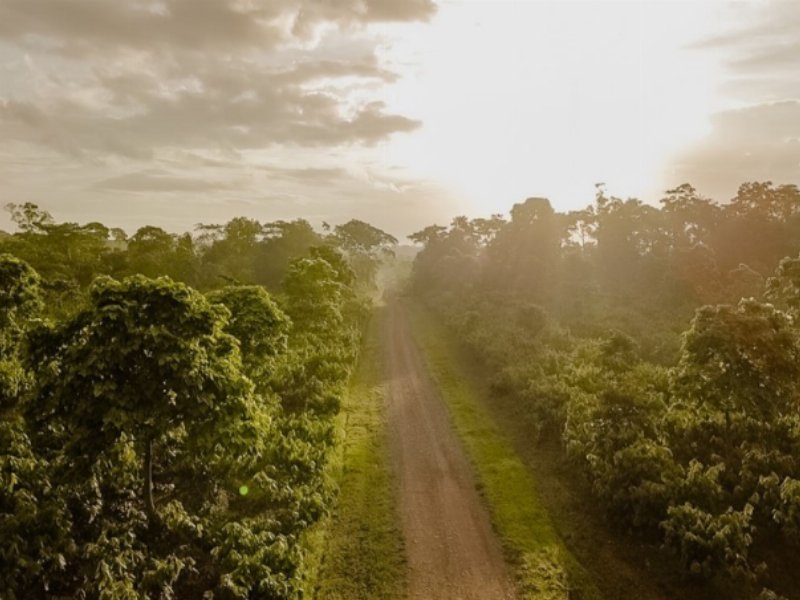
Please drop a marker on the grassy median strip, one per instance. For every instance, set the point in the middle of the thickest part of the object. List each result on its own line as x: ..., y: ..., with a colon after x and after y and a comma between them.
x: 545, y: 568
x: 363, y: 555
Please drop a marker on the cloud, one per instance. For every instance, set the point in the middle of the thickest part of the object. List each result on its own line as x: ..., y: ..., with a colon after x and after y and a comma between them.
x: 78, y: 26
x: 134, y: 78
x: 757, y: 143
x: 366, y: 68
x: 135, y: 113
x: 760, y: 140
x: 161, y: 181
x: 363, y: 11
x: 166, y: 111
x: 219, y: 112
x: 85, y: 25
x: 308, y: 175
x: 762, y: 48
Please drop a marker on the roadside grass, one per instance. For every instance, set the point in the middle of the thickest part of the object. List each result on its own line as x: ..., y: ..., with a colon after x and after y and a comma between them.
x: 362, y: 554
x: 545, y: 568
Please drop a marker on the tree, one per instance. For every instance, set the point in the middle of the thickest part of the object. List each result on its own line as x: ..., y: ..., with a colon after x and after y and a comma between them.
x: 708, y: 543
x: 627, y: 233
x: 784, y: 288
x: 767, y: 200
x: 366, y: 246
x: 20, y: 301
x: 525, y: 252
x: 29, y: 217
x: 33, y: 531
x: 232, y: 252
x: 759, y: 226
x: 314, y: 296
x: 360, y: 237
x: 742, y: 359
x: 284, y: 241
x: 68, y: 253
x: 448, y: 257
x: 20, y: 292
x: 258, y: 323
x: 689, y: 217
x: 145, y: 359
x: 344, y: 272
x: 154, y: 252
x: 581, y: 226
x: 428, y: 235
x: 736, y: 390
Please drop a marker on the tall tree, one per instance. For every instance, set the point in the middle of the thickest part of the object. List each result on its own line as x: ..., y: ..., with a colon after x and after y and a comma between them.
x: 260, y: 326
x: 525, y: 253
x: 365, y: 245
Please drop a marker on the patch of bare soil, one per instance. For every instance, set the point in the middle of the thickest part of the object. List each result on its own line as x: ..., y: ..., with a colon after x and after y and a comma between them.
x: 453, y: 552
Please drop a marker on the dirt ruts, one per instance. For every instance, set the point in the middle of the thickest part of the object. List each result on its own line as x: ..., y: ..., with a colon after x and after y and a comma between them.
x: 452, y: 550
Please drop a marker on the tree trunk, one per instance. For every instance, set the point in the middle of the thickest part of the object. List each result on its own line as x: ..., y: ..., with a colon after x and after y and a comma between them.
x: 149, y: 504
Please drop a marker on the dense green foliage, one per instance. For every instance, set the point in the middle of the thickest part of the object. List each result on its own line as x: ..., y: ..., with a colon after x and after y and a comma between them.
x: 155, y: 441
x: 692, y: 439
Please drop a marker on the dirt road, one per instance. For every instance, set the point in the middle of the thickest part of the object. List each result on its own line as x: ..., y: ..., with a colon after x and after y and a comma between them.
x: 452, y: 550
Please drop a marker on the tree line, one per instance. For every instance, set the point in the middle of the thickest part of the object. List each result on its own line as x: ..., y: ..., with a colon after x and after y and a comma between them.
x: 660, y: 347
x: 167, y: 403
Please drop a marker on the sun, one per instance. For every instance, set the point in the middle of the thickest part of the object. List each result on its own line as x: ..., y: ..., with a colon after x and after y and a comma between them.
x: 547, y: 98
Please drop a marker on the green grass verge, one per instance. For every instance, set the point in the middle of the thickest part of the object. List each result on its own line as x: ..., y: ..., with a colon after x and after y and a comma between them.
x: 362, y: 551
x: 545, y: 568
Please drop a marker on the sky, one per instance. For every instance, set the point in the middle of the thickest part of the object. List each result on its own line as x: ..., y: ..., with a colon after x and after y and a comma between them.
x: 400, y: 113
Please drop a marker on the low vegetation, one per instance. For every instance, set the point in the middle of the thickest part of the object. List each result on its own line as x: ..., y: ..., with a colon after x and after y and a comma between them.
x: 363, y: 554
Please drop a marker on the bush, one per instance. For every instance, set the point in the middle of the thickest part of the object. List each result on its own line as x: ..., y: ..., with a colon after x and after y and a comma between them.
x: 709, y: 544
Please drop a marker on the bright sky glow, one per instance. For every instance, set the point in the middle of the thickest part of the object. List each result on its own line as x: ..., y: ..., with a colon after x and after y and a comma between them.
x: 544, y: 98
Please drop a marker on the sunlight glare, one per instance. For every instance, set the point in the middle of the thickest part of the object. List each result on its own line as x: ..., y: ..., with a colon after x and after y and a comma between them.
x: 546, y: 98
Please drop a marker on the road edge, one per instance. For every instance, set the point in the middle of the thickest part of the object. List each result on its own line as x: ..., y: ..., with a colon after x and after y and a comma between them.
x: 362, y: 554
